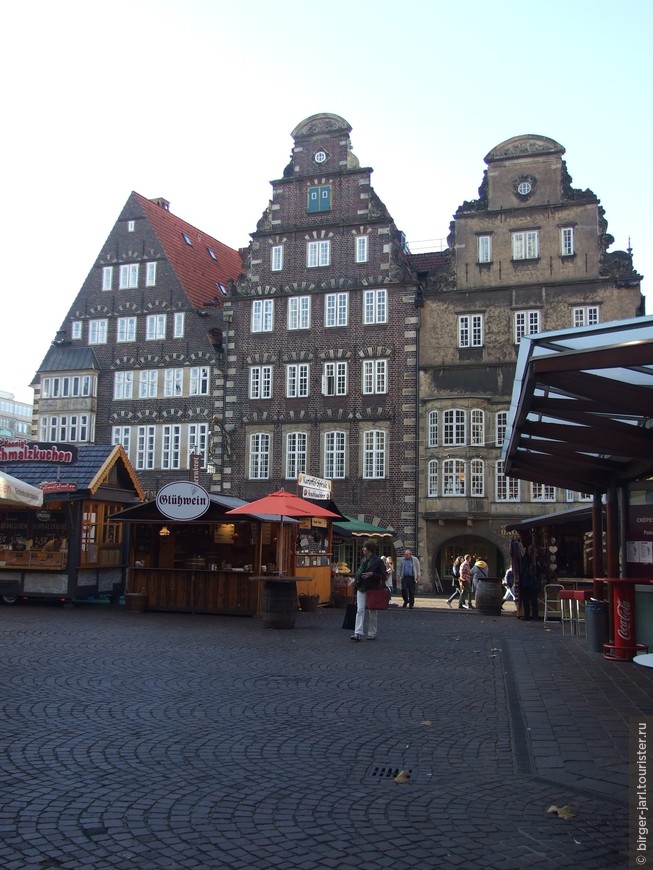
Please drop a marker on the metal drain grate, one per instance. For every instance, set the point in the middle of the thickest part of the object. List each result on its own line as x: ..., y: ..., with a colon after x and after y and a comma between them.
x: 386, y: 771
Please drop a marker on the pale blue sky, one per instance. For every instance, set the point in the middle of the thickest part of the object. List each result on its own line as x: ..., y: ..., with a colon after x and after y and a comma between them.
x: 195, y: 100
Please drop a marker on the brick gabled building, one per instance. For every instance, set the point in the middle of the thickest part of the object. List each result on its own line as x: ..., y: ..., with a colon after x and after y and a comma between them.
x: 529, y: 255
x: 137, y: 360
x: 322, y: 339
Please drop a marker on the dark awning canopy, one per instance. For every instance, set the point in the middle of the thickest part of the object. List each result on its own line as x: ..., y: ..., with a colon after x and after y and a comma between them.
x: 581, y: 416
x: 220, y: 504
x: 359, y: 528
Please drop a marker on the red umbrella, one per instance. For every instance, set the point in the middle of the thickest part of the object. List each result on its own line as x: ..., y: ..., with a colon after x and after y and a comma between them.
x: 283, y: 504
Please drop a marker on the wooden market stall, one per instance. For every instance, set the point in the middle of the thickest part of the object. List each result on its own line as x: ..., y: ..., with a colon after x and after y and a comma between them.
x: 70, y: 548
x: 203, y: 565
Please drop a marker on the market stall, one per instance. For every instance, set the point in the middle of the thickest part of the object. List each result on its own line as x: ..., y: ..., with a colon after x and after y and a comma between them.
x: 68, y: 547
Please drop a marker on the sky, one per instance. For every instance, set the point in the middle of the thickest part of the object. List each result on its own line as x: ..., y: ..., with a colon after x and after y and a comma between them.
x: 195, y: 101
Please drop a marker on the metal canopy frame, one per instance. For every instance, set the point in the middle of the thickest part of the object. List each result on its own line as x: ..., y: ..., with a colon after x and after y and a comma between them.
x: 581, y: 416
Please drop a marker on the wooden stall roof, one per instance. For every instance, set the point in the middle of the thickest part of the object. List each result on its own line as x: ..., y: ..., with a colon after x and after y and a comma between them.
x: 101, y: 471
x: 220, y: 504
x: 581, y: 415
x: 581, y: 515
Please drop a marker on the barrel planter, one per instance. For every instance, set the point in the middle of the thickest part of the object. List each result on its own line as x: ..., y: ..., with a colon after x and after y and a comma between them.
x: 489, y: 596
x: 279, y: 604
x: 309, y: 603
x: 135, y: 602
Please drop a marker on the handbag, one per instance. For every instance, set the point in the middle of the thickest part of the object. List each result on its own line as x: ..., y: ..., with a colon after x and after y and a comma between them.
x: 377, y: 599
x: 349, y: 621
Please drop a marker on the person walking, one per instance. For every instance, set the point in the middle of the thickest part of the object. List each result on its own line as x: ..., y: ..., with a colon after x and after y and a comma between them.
x: 390, y: 574
x: 507, y: 582
x: 408, y: 571
x: 529, y: 585
x: 466, y: 583
x: 371, y: 564
x: 455, y: 571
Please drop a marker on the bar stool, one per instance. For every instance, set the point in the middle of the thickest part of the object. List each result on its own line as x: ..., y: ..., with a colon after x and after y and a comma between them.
x: 567, y: 608
x: 552, y: 604
x: 580, y: 597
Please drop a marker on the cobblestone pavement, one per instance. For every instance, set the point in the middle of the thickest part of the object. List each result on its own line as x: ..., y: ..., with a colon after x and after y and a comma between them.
x: 177, y: 741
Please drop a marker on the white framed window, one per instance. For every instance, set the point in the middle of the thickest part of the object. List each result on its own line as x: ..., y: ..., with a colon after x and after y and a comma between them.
x: 334, y: 378
x: 362, y: 245
x: 375, y: 376
x: 477, y: 427
x: 65, y: 386
x: 126, y: 329
x: 432, y: 478
x: 579, y: 496
x: 173, y: 382
x: 299, y: 312
x: 375, y: 306
x: 198, y: 441
x: 374, y: 453
x: 178, y: 324
x: 76, y: 428
x: 262, y: 315
x: 260, y: 382
x: 128, y: 276
x: 336, y: 309
x: 296, y: 452
x: 107, y: 278
x: 150, y: 274
x: 587, y: 315
x: 199, y: 380
x: 506, y: 488
x: 147, y: 383
x: 123, y: 385
x: 432, y: 429
x: 297, y: 380
x: 76, y: 330
x: 145, y: 445
x: 276, y: 258
x: 477, y: 478
x: 542, y: 492
x: 318, y: 254
x: 470, y: 330
x: 567, y: 242
x: 501, y: 427
x: 484, y: 249
x: 97, y: 331
x: 131, y: 226
x: 121, y: 435
x: 526, y: 323
x: 335, y: 446
x: 526, y: 245
x: 171, y: 446
x: 454, y: 428
x: 155, y: 326
x: 259, y: 456
x: 453, y: 477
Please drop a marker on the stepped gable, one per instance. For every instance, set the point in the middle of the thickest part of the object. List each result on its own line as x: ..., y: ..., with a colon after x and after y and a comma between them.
x: 198, y: 272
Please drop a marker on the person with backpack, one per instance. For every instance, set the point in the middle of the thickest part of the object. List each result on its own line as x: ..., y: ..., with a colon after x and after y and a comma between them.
x: 455, y: 571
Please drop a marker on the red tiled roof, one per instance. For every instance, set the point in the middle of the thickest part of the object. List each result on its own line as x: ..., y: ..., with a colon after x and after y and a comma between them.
x: 198, y: 273
x: 427, y: 261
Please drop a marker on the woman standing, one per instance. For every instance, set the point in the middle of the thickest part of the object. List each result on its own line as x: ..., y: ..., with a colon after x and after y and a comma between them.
x: 390, y: 573
x: 373, y: 568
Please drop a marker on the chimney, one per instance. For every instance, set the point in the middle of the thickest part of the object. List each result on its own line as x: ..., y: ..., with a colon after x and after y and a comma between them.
x: 161, y: 202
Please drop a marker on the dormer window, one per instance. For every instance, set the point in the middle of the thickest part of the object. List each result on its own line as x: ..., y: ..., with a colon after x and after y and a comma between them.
x: 187, y: 239
x: 212, y: 254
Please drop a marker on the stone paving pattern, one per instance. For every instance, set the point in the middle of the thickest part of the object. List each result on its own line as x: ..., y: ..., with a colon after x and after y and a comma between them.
x: 156, y: 741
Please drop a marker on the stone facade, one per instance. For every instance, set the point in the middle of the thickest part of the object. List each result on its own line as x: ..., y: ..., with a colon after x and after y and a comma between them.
x: 528, y: 255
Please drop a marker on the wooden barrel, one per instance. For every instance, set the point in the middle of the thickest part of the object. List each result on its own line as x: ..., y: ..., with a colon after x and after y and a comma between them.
x: 279, y: 604
x: 489, y: 596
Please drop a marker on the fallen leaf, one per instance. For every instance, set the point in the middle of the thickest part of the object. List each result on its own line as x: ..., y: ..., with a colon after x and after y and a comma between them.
x: 562, y: 812
x: 402, y: 777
